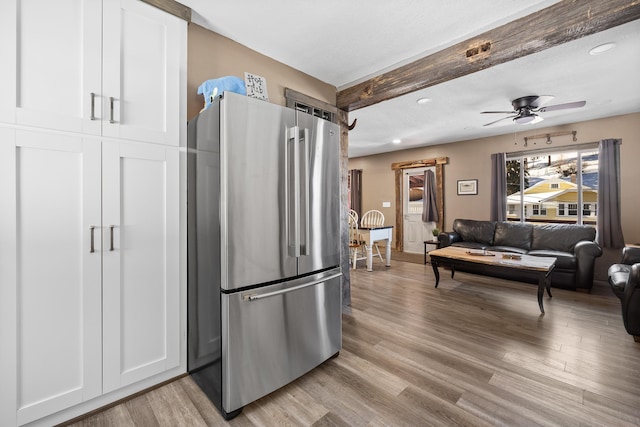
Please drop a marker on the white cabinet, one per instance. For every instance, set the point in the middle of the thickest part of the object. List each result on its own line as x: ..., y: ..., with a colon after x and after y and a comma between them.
x: 140, y: 262
x: 50, y: 293
x: 92, y: 243
x: 103, y: 67
x: 90, y: 296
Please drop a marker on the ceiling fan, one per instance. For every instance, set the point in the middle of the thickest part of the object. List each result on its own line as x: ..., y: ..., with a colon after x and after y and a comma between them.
x: 525, y: 109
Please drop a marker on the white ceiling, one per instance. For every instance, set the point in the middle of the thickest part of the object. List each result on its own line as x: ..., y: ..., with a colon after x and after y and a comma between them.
x: 374, y: 36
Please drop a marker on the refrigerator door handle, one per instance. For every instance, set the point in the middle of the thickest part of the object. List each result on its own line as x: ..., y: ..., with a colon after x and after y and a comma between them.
x: 254, y: 297
x: 294, y: 249
x: 307, y: 189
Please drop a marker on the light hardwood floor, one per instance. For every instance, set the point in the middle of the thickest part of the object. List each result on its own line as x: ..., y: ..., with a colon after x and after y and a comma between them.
x: 474, y: 352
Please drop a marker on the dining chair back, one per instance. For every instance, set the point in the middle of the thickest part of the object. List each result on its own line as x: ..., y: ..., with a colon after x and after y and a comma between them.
x: 373, y: 219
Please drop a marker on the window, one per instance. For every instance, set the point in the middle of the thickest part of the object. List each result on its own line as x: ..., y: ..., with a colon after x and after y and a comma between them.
x: 559, y: 186
x: 309, y: 105
x: 539, y: 210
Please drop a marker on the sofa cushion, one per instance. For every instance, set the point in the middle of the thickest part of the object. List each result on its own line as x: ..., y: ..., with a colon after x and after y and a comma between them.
x: 564, y: 260
x: 513, y: 234
x: 560, y: 237
x: 475, y: 231
x: 511, y: 249
x: 470, y: 245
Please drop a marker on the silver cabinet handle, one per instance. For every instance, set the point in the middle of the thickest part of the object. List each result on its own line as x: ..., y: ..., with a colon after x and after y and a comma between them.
x: 254, y: 297
x: 92, y: 228
x: 111, y: 110
x: 93, y: 106
x: 111, y: 227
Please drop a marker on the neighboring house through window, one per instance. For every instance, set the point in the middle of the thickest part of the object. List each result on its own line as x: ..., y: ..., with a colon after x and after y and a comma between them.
x: 549, y: 186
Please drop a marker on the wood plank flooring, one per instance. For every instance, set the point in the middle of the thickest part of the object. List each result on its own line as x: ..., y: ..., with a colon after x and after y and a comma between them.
x: 474, y: 352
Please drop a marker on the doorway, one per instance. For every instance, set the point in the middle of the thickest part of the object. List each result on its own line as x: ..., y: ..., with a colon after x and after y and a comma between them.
x: 399, y: 168
x: 415, y: 232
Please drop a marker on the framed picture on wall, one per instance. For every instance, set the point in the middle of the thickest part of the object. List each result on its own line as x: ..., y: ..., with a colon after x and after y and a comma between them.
x: 467, y: 187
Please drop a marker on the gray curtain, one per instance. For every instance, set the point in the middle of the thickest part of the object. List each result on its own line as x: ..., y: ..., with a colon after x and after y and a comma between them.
x: 498, y: 187
x: 429, y: 207
x: 355, y: 182
x: 609, y: 223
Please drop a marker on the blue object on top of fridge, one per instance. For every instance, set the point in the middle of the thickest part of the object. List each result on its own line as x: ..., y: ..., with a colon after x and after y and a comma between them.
x: 264, y: 282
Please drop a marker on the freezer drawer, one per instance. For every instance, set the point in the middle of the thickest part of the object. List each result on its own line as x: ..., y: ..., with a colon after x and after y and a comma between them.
x: 273, y: 335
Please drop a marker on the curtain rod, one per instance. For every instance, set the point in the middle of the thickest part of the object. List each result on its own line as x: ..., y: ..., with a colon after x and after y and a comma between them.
x: 585, y: 146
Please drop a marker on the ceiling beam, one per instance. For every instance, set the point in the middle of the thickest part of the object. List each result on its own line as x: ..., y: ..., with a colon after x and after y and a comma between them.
x: 563, y: 22
x: 173, y: 7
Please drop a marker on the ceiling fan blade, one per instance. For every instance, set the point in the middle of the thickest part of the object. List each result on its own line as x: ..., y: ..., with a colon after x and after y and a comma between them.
x: 498, y: 112
x: 499, y: 120
x: 566, y: 106
x: 541, y: 100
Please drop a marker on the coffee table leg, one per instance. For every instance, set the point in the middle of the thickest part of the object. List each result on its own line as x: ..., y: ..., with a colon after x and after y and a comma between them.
x: 541, y: 286
x: 548, y: 285
x: 434, y: 265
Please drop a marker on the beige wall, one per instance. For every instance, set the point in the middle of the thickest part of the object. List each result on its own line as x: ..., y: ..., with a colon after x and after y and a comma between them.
x: 471, y: 160
x: 211, y: 55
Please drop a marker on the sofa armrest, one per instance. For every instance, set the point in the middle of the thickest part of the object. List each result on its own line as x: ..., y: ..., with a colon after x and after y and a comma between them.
x: 446, y: 238
x: 587, y: 249
x: 586, y: 253
x: 630, y: 255
x: 631, y: 302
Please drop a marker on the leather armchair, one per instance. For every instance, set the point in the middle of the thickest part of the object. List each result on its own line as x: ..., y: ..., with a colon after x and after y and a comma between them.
x: 624, y: 279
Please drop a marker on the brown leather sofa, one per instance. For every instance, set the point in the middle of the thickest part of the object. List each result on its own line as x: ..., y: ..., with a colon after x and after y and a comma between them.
x: 573, y: 246
x: 624, y: 279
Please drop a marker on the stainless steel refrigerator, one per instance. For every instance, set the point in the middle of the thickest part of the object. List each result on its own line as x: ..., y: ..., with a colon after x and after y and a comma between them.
x: 264, y: 282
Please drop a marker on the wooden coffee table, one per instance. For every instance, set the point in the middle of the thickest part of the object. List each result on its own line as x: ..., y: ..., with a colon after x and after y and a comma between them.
x: 486, y: 262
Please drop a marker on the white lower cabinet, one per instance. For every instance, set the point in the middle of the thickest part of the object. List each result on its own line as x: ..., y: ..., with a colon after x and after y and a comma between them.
x: 89, y: 269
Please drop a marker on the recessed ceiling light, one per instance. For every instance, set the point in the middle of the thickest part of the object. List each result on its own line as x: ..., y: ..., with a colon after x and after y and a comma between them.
x: 396, y: 141
x: 423, y: 100
x: 602, y: 48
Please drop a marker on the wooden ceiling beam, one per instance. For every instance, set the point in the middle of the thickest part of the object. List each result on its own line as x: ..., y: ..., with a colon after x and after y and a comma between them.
x: 557, y: 24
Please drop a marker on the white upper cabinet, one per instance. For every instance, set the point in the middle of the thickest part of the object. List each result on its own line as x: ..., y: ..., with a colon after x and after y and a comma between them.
x: 141, y: 72
x: 52, y: 63
x: 102, y: 67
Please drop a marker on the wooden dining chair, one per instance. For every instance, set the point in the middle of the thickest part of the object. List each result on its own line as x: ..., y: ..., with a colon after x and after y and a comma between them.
x: 355, y: 242
x: 372, y: 219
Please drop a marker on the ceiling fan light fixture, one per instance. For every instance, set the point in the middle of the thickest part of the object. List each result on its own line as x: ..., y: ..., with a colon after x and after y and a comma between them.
x: 524, y: 119
x: 602, y: 48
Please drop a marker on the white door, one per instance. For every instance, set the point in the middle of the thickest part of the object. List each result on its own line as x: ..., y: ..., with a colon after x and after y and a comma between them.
x: 51, y: 63
x: 143, y: 47
x: 415, y: 231
x: 50, y: 298
x: 141, y: 291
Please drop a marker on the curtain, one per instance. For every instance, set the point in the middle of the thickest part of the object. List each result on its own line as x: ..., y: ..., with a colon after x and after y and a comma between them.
x: 498, y: 187
x: 429, y: 207
x: 355, y: 190
x: 609, y: 223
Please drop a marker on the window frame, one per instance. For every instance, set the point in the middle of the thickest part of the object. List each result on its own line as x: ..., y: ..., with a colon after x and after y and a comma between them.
x: 562, y: 208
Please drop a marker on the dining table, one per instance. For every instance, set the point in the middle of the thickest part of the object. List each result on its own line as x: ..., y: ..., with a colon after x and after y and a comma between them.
x: 371, y: 235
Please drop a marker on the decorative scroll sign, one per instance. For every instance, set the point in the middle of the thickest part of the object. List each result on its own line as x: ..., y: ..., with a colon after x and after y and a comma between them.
x: 256, y: 86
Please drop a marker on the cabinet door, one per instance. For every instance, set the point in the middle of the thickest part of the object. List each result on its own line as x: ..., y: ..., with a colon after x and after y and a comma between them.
x: 51, y: 53
x: 143, y: 53
x: 50, y: 298
x: 141, y: 262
